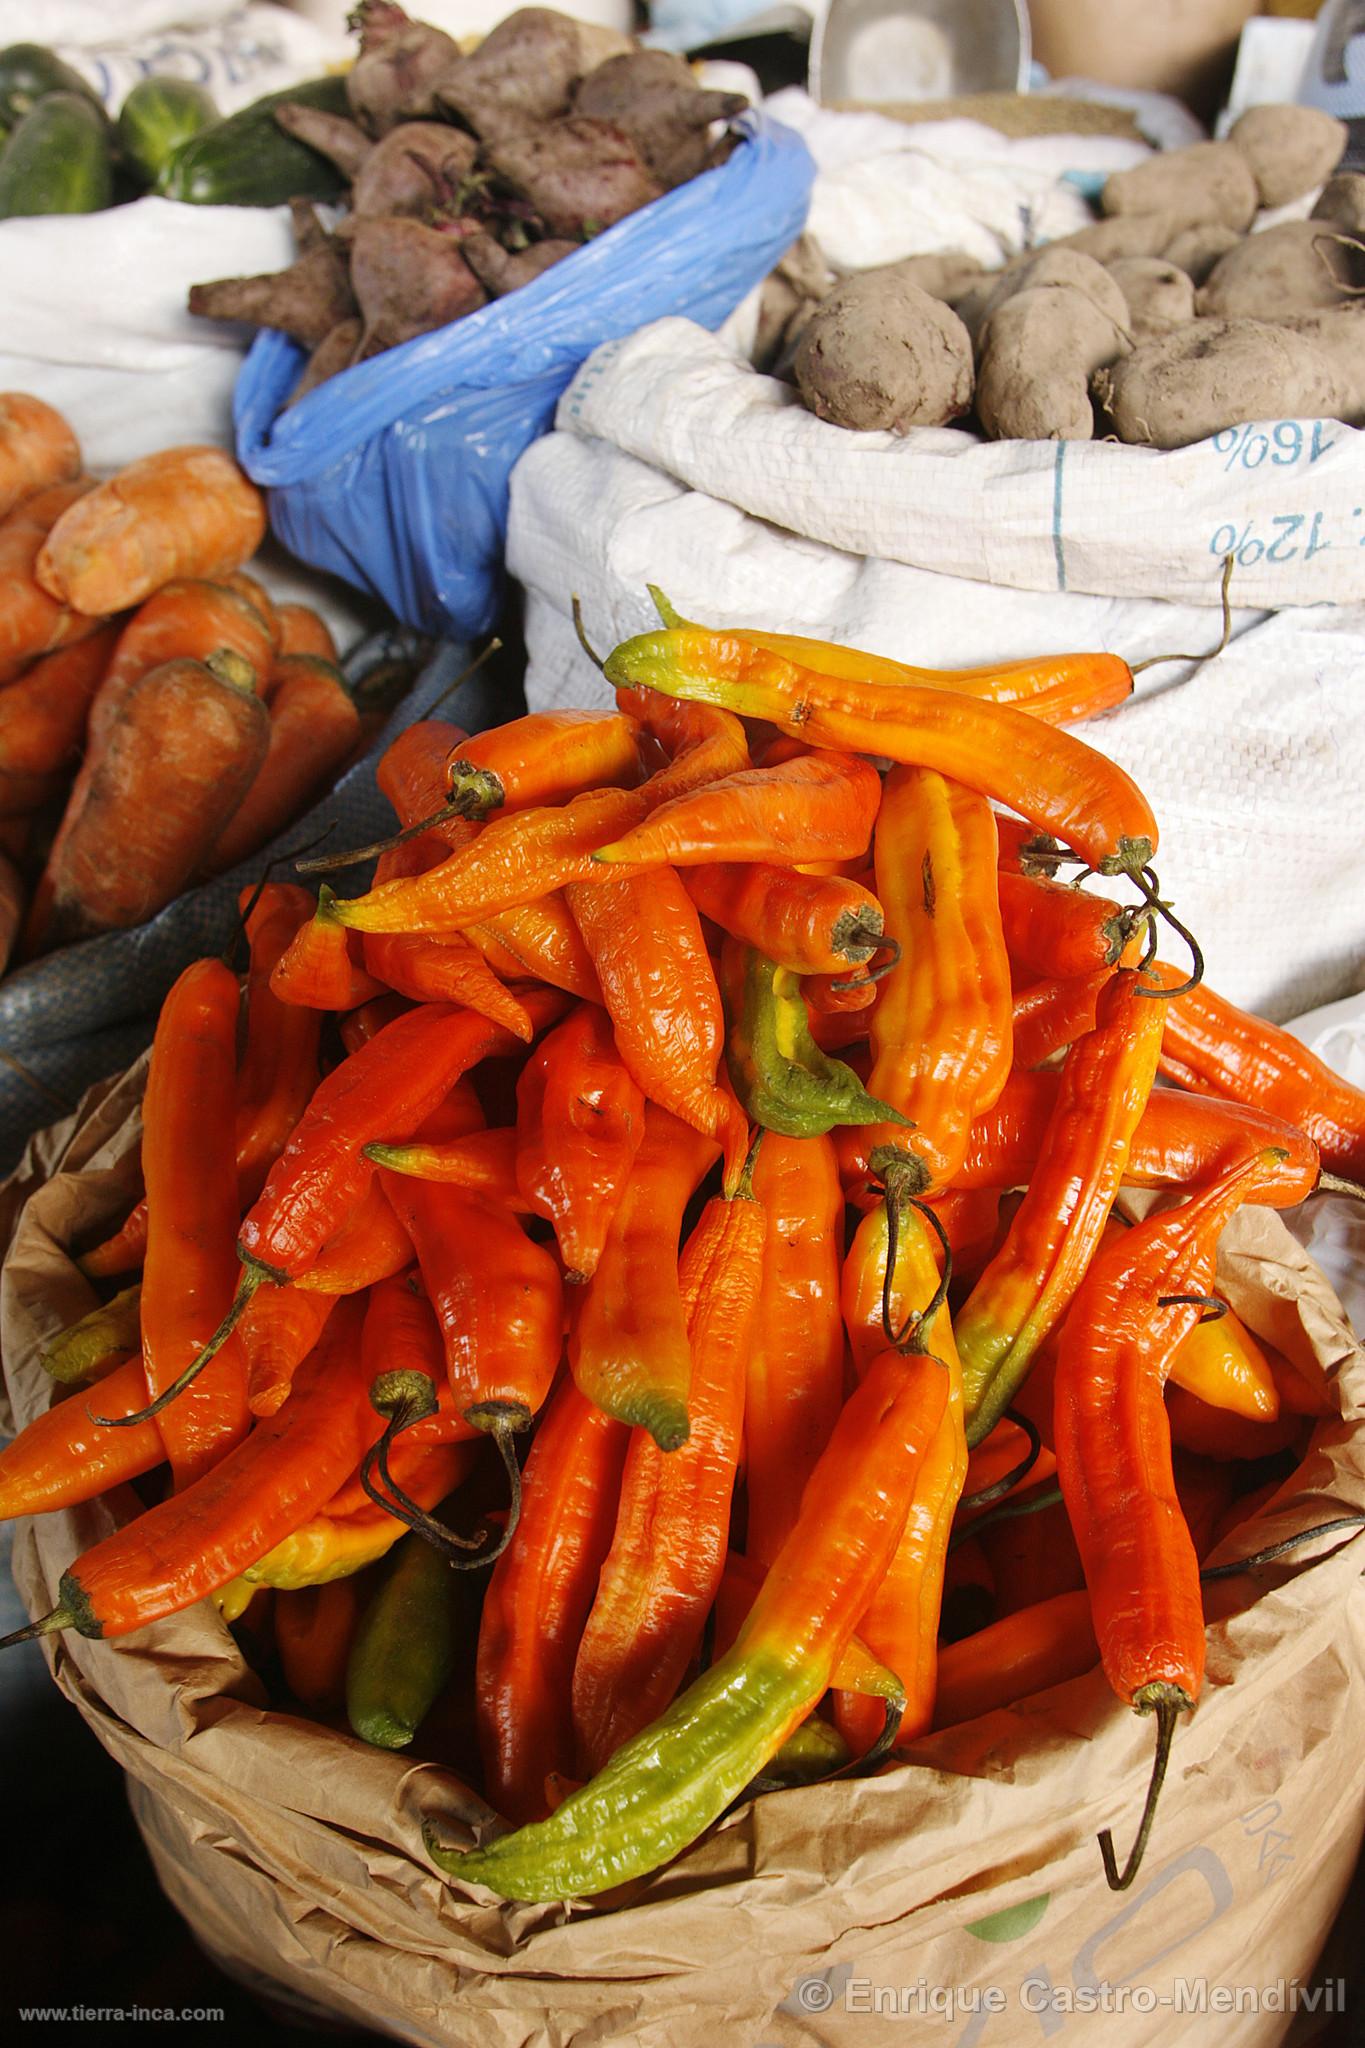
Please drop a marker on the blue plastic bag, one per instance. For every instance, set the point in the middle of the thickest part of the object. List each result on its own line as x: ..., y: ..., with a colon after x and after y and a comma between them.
x: 395, y: 474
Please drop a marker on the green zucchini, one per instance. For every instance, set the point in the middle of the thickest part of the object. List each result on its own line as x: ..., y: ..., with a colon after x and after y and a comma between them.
x: 28, y: 73
x: 57, y: 160
x: 248, y: 160
x: 159, y: 116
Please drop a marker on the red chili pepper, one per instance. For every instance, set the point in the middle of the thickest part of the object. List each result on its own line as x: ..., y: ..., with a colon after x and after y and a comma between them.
x: 189, y: 1171
x: 538, y: 1600
x: 64, y: 1457
x: 1181, y: 1141
x: 668, y: 1552
x: 322, y: 968
x: 1055, y: 929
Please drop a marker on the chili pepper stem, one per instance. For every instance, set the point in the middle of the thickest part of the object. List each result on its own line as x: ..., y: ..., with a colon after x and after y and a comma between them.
x: 481, y: 792
x: 254, y: 1274
x: 1010, y: 1479
x: 407, y: 1397
x: 1337, y: 1184
x: 1009, y: 1511
x: 48, y: 1625
x: 1166, y: 1702
x: 1155, y: 660
x: 1273, y: 1550
x: 581, y: 630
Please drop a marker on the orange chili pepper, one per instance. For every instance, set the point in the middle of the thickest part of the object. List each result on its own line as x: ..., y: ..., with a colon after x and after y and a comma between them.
x: 628, y: 1346
x: 1218, y: 1433
x: 900, y: 1624
x: 313, y: 1631
x: 64, y: 1457
x: 1056, y: 929
x: 809, y: 924
x: 544, y: 758
x: 794, y: 1386
x: 1048, y: 776
x: 357, y: 1027
x: 268, y: 1485
x: 1028, y: 1285
x: 1031, y: 1552
x: 499, y: 1302
x: 1221, y: 1362
x: 278, y: 1073
x: 1181, y: 1140
x: 1216, y: 1049
x: 660, y: 991
x: 1050, y: 1015
x: 517, y: 859
x: 484, y: 1163
x: 940, y: 1032
x: 580, y: 1120
x: 411, y: 774
x: 538, y: 1600
x: 188, y: 1169
x: 1061, y: 688
x: 1026, y: 1652
x: 1114, y: 1457
x: 321, y: 969
x: 279, y: 1327
x: 668, y: 1551
x: 541, y: 942
x: 820, y: 806
x: 445, y: 969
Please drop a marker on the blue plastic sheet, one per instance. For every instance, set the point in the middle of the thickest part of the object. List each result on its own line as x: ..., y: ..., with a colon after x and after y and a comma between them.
x: 395, y: 474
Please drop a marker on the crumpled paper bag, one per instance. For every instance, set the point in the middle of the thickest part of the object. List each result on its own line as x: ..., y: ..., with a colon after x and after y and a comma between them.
x: 957, y: 1897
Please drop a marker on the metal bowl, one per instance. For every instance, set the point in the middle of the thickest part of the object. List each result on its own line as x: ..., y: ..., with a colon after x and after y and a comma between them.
x: 889, y: 51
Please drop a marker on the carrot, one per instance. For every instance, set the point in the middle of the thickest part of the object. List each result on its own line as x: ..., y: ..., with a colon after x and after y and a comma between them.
x: 43, y: 718
x: 184, y: 621
x: 187, y: 741
x: 183, y: 512
x: 32, y: 621
x: 304, y: 631
x: 258, y: 597
x: 313, y: 727
x: 37, y: 448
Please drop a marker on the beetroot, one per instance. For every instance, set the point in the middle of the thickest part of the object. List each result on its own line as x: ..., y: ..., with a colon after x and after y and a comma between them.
x: 307, y: 300
x: 400, y: 63
x: 580, y: 175
x: 653, y: 96
x: 418, y: 166
x: 335, y: 352
x: 502, y: 270
x: 408, y: 279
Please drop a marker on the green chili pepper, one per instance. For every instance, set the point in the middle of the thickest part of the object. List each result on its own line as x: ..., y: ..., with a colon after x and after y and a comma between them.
x: 404, y: 1650
x: 782, y: 1078
x: 102, y: 1337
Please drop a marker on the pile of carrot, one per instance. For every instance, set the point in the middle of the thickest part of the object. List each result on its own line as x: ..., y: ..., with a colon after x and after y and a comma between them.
x: 160, y: 718
x: 660, y: 1287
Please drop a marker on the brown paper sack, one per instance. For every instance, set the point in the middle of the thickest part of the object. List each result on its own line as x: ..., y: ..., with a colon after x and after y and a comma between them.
x: 956, y: 1898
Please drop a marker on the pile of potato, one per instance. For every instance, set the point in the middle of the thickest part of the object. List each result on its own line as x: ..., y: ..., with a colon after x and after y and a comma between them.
x: 1160, y: 324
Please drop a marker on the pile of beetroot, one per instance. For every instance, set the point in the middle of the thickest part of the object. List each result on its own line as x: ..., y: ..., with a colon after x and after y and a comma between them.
x: 470, y: 175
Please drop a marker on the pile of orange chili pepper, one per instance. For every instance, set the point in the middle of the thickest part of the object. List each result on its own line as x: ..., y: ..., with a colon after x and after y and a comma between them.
x: 656, y: 1269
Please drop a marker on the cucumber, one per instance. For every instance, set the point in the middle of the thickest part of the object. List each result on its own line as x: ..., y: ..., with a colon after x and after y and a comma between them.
x: 247, y: 160
x: 159, y: 116
x: 57, y: 160
x: 28, y: 73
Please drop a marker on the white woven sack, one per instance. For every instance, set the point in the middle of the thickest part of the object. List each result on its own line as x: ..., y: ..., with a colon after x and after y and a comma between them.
x: 1253, y: 763
x: 1285, y: 498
